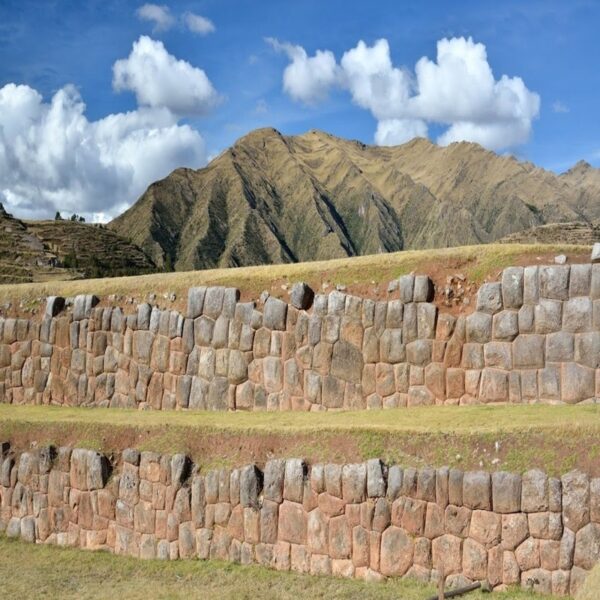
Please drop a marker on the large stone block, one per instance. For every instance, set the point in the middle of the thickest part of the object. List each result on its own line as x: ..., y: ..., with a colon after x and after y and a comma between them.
x: 295, y: 475
x: 347, y: 362
x: 406, y: 285
x: 587, y: 546
x: 560, y: 346
x: 531, y: 287
x: 587, y: 349
x: 512, y: 287
x: 292, y: 524
x: 528, y: 351
x: 477, y: 490
x: 576, y: 500
x: 498, y: 354
x: 554, y: 282
x: 479, y: 327
x: 354, y: 483
x: 506, y: 492
x: 251, y: 480
x: 419, y: 352
x: 548, y: 315
x: 489, y: 297
x: 397, y: 549
x: 505, y: 325
x: 195, y: 302
x: 275, y: 314
x: 534, y: 494
x: 515, y: 529
x: 580, y: 280
x: 426, y: 320
x: 423, y: 289
x: 577, y: 315
x: 577, y: 383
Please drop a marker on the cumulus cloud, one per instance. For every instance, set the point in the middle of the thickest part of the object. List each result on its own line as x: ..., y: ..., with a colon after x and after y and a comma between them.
x: 307, y: 79
x: 52, y: 157
x: 198, y: 23
x: 160, y: 80
x: 159, y: 14
x: 457, y: 90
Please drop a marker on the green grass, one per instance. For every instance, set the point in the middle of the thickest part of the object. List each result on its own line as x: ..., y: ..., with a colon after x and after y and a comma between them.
x: 37, y: 571
x: 476, y: 262
x: 512, y: 438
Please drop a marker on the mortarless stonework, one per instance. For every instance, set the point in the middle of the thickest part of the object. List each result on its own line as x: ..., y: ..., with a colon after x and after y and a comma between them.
x: 534, y: 337
x: 357, y: 520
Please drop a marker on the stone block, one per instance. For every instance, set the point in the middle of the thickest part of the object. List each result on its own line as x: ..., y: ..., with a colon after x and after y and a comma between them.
x: 576, y: 500
x: 195, y: 301
x: 505, y: 325
x: 498, y: 354
x: 489, y: 297
x: 560, y: 346
x: 549, y: 383
x: 506, y: 492
x: 531, y: 286
x: 479, y: 327
x: 347, y: 362
x: 512, y: 287
x: 275, y: 314
x: 528, y: 351
x: 580, y: 280
x: 406, y: 285
x: 515, y: 529
x: 587, y: 349
x: 274, y: 475
x: 477, y: 492
x: 375, y: 479
x: 474, y: 564
x: 418, y: 352
x: 292, y: 524
x: 54, y: 305
x: 577, y: 383
x: 587, y: 546
x: 423, y: 289
x: 446, y: 552
x: 397, y: 550
x: 426, y: 320
x: 295, y: 475
x: 250, y: 486
x: 554, y: 282
x: 548, y: 316
x: 577, y: 315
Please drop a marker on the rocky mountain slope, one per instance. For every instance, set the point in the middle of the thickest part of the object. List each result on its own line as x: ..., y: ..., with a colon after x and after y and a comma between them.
x: 44, y: 250
x: 272, y: 198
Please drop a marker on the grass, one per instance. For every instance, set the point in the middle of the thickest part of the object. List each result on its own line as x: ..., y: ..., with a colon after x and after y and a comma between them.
x: 476, y: 262
x: 37, y: 571
x: 512, y: 438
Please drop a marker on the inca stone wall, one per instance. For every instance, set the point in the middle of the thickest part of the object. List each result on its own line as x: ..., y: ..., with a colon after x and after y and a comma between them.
x: 534, y: 337
x: 356, y: 520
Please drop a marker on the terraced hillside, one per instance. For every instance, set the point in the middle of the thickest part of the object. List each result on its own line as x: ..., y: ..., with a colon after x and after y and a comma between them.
x: 37, y: 251
x: 557, y: 233
x: 92, y: 249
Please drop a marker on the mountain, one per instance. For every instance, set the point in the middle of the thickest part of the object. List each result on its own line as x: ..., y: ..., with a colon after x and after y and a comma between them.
x: 43, y: 250
x: 272, y: 198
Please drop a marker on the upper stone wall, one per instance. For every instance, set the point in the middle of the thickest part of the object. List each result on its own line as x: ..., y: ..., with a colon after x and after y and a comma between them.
x: 534, y: 337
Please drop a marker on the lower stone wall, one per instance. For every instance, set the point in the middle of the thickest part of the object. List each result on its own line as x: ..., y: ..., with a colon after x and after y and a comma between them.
x: 356, y: 520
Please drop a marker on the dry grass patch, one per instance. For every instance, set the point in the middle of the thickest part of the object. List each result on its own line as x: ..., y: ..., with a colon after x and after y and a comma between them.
x: 513, y: 438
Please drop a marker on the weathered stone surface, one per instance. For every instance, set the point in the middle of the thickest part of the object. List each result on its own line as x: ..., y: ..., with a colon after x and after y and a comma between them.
x: 275, y: 313
x: 576, y: 500
x: 587, y: 546
x: 477, y: 492
x: 528, y: 351
x: 512, y: 287
x: 548, y: 316
x: 274, y: 475
x: 406, y: 285
x: 292, y: 524
x: 195, y: 302
x: 423, y: 289
x: 54, y: 305
x: 554, y: 282
x: 489, y: 297
x: 505, y: 325
x: 397, y: 550
x: 577, y: 315
x: 506, y: 492
x: 295, y: 474
x: 250, y: 486
x: 515, y: 529
x: 577, y: 383
x: 479, y: 327
x: 301, y: 296
x: 347, y: 362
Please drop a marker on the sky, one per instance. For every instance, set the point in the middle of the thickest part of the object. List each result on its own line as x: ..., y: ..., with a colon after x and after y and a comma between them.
x: 100, y: 98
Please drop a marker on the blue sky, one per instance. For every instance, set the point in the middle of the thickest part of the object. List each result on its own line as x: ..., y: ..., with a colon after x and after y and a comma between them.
x: 48, y: 45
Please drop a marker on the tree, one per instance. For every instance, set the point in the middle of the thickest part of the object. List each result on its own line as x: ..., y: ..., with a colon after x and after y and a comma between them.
x: 57, y: 216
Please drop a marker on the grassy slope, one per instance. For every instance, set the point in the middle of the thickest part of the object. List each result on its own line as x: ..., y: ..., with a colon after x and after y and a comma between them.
x: 50, y: 572
x: 476, y: 262
x: 511, y: 438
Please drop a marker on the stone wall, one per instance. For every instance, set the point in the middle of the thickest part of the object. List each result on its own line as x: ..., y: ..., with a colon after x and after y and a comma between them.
x: 356, y: 520
x: 534, y: 337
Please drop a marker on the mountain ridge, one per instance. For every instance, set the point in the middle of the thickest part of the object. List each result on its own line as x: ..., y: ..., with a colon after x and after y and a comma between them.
x: 272, y: 198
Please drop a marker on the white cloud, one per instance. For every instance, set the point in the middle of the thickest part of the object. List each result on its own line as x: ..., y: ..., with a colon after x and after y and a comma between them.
x: 159, y: 14
x: 198, y: 23
x: 391, y: 132
x: 53, y: 158
x: 560, y: 107
x: 159, y: 80
x: 457, y: 90
x: 307, y: 79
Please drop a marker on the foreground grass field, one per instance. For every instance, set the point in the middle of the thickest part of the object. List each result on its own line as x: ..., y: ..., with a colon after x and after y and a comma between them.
x: 511, y: 438
x: 475, y: 262
x: 50, y: 572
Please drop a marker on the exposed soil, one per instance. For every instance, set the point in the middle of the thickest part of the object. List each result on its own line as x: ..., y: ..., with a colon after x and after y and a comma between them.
x: 555, y: 452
